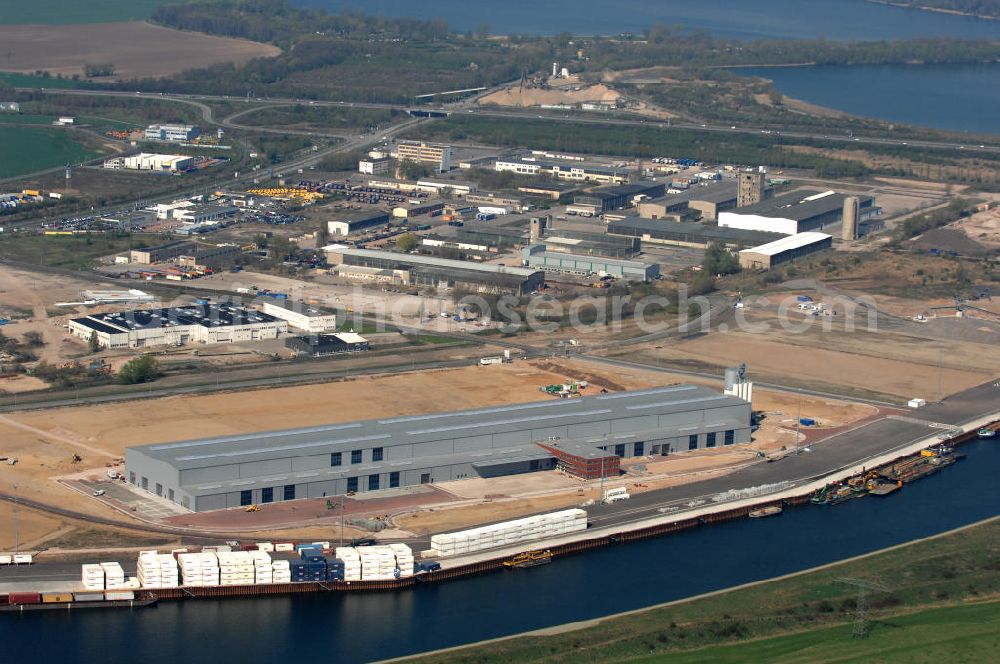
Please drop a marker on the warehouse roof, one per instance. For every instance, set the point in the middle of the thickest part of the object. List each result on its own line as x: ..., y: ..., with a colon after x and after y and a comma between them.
x: 539, y: 251
x: 801, y: 205
x: 424, y: 428
x: 687, y: 231
x: 358, y: 217
x: 299, y: 307
x: 713, y: 193
x: 430, y: 261
x: 788, y: 243
x: 206, y: 315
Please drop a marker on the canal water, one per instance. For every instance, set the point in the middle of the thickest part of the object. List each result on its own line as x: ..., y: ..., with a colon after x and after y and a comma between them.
x: 365, y: 627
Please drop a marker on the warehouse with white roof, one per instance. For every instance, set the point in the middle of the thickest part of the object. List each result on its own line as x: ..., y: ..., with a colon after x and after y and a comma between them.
x: 766, y: 256
x: 579, y: 435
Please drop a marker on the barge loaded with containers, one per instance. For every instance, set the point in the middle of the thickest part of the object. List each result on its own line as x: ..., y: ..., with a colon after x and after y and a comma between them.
x: 265, y: 568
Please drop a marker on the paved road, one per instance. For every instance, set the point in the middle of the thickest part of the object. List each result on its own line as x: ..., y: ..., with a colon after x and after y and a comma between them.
x: 464, y: 108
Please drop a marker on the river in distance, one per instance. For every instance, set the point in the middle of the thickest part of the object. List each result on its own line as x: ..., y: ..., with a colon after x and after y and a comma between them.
x: 964, y: 98
x: 366, y: 627
x: 780, y: 19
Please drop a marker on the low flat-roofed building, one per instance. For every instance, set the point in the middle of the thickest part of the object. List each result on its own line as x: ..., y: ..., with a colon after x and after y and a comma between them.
x: 145, y: 161
x: 202, y: 323
x: 456, y: 187
x: 796, y: 212
x: 200, y: 214
x: 688, y: 234
x: 161, y: 252
x: 575, y: 171
x: 618, y: 197
x: 442, y: 273
x: 211, y: 256
x: 301, y: 316
x: 411, y: 211
x: 538, y: 256
x: 176, y: 133
x: 707, y: 200
x: 551, y: 190
x: 395, y: 452
x: 320, y: 345
x: 351, y: 223
x: 373, y: 166
x: 511, y: 201
x: 373, y: 274
x: 786, y: 249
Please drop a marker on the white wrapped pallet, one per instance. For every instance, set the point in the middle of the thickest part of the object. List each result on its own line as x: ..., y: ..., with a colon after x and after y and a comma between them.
x: 92, y: 577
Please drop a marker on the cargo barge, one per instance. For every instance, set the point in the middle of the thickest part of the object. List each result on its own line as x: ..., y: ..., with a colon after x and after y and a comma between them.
x: 432, y: 572
x: 78, y: 606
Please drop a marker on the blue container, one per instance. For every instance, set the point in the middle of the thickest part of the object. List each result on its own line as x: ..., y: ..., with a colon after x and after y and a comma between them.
x: 807, y: 421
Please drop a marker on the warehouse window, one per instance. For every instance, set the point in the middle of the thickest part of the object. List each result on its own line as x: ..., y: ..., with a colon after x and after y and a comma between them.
x: 267, y: 495
x: 639, y: 449
x: 394, y: 479
x: 730, y: 437
x: 336, y: 459
x: 289, y: 492
x: 620, y: 450
x: 246, y: 498
x: 170, y: 495
x: 373, y: 482
x: 356, y: 456
x: 131, y: 478
x: 376, y: 454
x: 693, y: 441
x: 352, y: 484
x: 144, y: 483
x: 710, y: 440
x: 159, y: 489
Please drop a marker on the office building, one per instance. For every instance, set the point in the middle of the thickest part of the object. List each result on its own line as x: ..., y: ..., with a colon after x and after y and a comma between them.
x: 203, y: 323
x: 438, y: 156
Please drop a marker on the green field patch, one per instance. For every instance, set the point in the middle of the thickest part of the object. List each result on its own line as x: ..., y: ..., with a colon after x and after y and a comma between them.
x: 26, y: 118
x: 32, y: 81
x: 65, y: 12
x: 73, y: 252
x: 954, y: 634
x: 29, y: 149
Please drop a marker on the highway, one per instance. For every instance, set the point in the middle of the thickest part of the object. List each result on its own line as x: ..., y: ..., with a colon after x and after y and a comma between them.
x: 465, y: 107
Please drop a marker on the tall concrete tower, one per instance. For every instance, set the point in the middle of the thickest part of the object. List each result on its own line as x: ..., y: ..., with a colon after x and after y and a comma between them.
x: 851, y: 212
x: 537, y: 228
x: 751, y: 188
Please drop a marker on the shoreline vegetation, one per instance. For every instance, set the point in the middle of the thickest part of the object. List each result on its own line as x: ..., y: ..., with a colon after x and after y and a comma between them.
x: 936, y: 584
x: 932, y: 6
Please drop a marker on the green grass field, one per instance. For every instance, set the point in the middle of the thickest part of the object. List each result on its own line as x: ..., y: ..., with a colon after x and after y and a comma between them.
x: 27, y: 149
x: 64, y: 12
x: 32, y: 81
x: 72, y: 252
x: 943, y: 606
x: 969, y: 633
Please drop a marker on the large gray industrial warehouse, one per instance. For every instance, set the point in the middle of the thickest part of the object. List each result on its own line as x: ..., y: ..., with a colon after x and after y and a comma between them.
x: 232, y: 471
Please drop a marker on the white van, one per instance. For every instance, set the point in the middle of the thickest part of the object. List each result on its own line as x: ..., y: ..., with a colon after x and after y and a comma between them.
x: 614, y: 495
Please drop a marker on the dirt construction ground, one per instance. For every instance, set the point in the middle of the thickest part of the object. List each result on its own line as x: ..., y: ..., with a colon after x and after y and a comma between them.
x: 44, y: 443
x: 136, y: 49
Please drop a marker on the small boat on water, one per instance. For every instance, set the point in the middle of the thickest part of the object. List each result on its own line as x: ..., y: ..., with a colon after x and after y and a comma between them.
x: 770, y: 510
x: 986, y: 432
